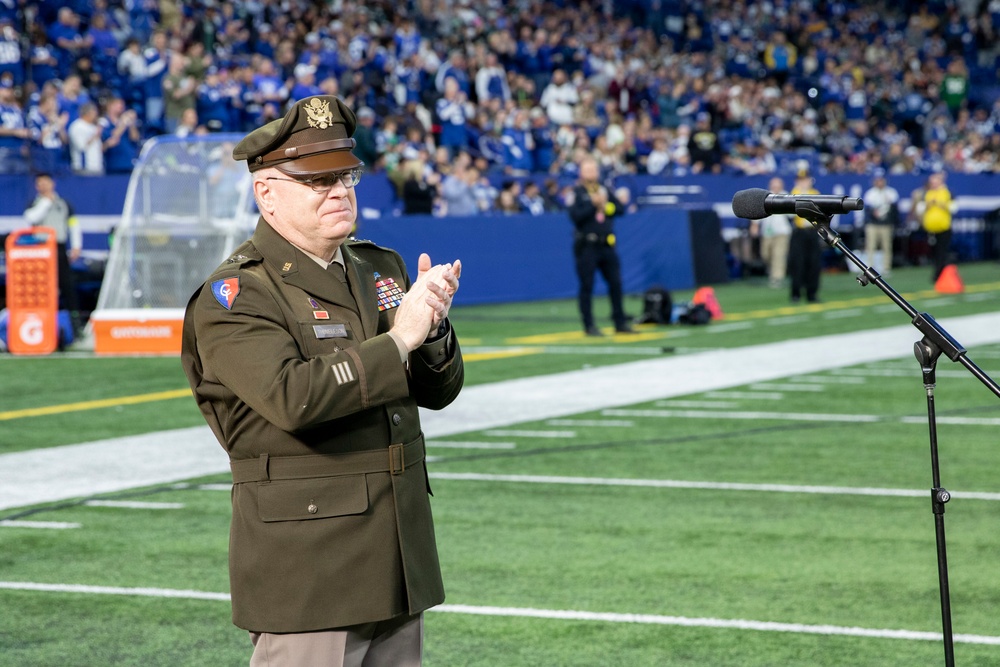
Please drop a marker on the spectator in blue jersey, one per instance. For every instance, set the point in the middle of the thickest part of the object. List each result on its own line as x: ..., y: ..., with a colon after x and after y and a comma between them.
x: 408, y: 81
x: 157, y: 61
x: 121, y: 137
x: 215, y: 101
x: 534, y: 54
x: 518, y: 145
x: 72, y: 96
x: 543, y: 138
x: 453, y: 111
x: 491, y: 81
x: 406, y: 39
x: 11, y: 61
x: 233, y: 40
x: 13, y: 132
x: 144, y: 15
x: 321, y: 52
x: 531, y: 199
x: 44, y: 64
x: 453, y: 68
x: 67, y: 39
x: 266, y: 42
x: 268, y: 88
x: 104, y: 48
x: 49, y: 142
x: 305, y: 83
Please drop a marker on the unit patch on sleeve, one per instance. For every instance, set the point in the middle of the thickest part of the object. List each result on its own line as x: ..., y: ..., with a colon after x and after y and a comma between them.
x: 226, y: 291
x: 387, y: 292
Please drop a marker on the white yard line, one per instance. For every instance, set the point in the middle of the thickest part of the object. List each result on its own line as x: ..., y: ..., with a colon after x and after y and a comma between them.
x: 748, y: 395
x: 769, y: 386
x: 44, y: 525
x: 797, y: 416
x: 713, y: 486
x: 514, y: 433
x: 456, y: 444
x: 549, y: 614
x: 72, y: 471
x: 134, y: 505
x: 592, y: 423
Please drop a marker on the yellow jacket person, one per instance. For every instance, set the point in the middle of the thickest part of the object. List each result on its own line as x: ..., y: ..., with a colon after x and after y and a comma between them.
x: 308, y: 354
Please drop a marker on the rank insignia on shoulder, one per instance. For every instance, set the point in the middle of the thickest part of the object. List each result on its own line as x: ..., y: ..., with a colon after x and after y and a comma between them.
x: 235, y: 259
x: 226, y: 291
x: 387, y: 293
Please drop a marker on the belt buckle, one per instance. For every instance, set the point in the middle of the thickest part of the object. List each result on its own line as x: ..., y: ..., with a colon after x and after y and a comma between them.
x: 397, y: 462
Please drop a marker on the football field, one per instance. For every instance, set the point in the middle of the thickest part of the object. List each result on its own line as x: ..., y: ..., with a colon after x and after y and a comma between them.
x: 751, y: 492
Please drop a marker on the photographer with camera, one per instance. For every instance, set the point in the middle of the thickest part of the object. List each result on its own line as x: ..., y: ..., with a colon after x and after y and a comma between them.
x: 592, y: 212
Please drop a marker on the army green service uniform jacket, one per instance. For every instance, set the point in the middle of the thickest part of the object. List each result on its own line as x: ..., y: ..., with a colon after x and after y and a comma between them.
x: 298, y: 380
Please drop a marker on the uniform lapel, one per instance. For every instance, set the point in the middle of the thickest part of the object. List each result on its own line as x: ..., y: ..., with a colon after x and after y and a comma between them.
x: 361, y: 276
x: 311, y: 278
x: 298, y: 270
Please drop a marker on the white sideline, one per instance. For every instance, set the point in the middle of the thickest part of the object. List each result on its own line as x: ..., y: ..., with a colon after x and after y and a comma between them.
x: 554, y: 614
x: 72, y: 471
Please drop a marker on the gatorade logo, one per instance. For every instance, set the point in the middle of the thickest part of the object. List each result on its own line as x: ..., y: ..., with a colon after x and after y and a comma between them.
x: 32, y: 330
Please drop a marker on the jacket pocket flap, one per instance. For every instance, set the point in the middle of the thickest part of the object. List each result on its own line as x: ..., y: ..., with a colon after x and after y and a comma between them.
x: 318, y: 498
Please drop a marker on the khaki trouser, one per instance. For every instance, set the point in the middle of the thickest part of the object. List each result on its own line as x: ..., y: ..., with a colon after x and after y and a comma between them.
x: 397, y: 642
x: 774, y: 251
x: 879, y: 237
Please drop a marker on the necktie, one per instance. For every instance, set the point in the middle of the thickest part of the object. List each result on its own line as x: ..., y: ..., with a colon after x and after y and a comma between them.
x: 337, y: 269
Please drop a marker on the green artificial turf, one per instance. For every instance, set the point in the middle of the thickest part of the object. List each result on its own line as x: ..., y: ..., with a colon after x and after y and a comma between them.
x: 846, y: 555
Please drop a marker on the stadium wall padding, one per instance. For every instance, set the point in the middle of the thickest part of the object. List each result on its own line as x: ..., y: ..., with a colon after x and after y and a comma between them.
x: 527, y: 258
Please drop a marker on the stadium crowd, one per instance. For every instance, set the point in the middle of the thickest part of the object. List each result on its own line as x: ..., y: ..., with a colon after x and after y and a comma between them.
x: 473, y: 106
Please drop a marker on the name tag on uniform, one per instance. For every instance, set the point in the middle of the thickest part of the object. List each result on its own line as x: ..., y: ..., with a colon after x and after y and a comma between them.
x: 330, y: 330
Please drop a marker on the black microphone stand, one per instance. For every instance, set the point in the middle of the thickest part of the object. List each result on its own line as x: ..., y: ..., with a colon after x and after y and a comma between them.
x: 935, y: 341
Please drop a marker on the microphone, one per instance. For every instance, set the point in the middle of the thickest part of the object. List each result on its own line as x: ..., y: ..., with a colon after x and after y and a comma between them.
x: 757, y: 203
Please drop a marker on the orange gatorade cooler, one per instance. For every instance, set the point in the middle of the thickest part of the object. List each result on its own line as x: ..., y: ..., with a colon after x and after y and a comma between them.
x: 32, y: 291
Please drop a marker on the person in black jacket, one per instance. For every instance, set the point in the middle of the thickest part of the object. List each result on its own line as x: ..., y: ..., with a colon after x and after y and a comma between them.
x: 592, y: 212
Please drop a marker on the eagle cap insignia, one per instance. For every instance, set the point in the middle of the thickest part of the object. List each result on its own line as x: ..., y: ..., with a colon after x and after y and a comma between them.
x: 318, y: 112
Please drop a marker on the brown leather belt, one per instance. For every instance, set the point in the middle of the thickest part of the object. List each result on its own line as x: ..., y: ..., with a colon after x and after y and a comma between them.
x: 264, y: 468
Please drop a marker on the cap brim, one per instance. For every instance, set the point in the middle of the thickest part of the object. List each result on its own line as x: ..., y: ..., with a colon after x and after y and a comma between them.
x: 320, y: 163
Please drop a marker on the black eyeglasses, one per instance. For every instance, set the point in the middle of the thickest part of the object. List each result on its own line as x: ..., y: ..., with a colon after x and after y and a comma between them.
x: 323, y: 184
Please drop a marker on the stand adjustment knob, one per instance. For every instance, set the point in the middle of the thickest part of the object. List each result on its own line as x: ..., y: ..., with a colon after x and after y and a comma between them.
x: 942, y: 495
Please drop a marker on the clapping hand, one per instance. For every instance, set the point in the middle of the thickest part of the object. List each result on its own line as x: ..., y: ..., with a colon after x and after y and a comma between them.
x: 427, y: 302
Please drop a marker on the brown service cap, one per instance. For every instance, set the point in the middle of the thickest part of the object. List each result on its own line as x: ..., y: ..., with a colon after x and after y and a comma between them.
x: 312, y: 138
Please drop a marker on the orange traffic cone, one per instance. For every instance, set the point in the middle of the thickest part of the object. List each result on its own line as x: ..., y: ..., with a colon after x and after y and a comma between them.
x: 949, y: 282
x: 706, y: 297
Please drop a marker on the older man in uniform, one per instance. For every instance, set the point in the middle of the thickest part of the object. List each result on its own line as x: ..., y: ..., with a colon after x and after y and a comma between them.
x: 308, y: 353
